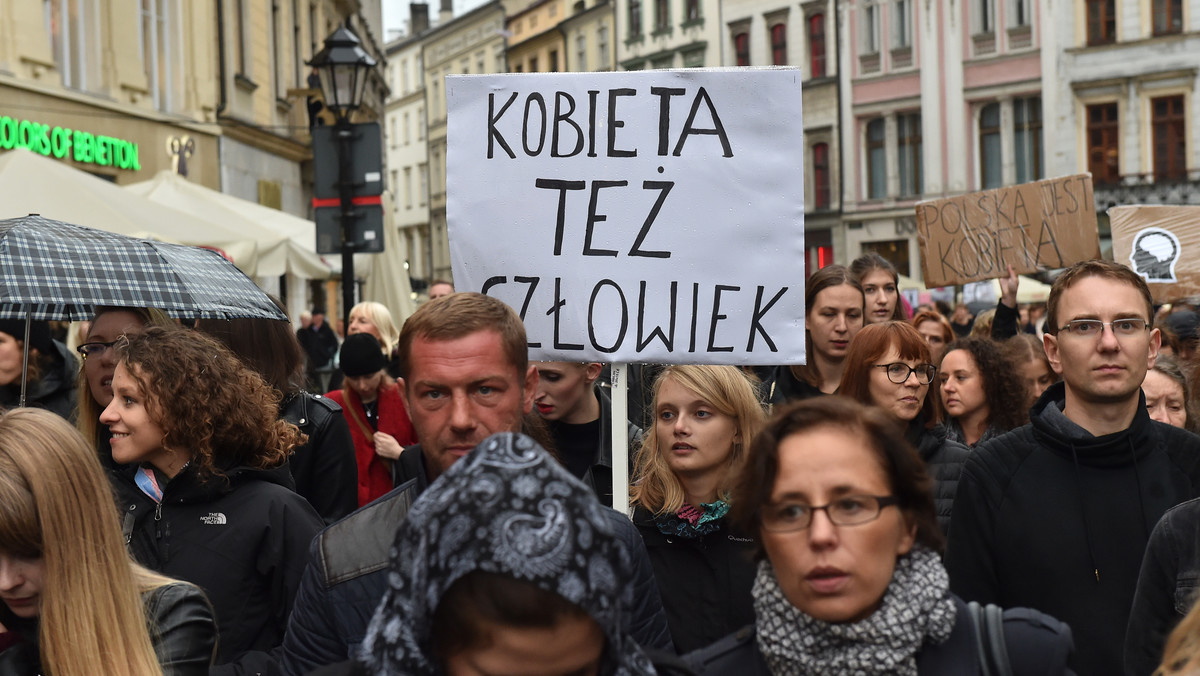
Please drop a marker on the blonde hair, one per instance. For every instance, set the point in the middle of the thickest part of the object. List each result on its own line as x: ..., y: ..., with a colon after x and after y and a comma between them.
x: 88, y: 419
x: 1182, y: 653
x: 728, y: 390
x: 382, y: 319
x: 55, y: 503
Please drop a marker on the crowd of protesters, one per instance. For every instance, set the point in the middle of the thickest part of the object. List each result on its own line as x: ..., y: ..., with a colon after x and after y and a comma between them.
x: 932, y: 492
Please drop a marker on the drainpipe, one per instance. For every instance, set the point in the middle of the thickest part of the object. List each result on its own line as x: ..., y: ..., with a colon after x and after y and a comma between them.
x: 221, y: 56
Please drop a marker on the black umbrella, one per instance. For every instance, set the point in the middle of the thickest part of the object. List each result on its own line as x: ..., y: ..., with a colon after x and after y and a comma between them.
x: 55, y: 270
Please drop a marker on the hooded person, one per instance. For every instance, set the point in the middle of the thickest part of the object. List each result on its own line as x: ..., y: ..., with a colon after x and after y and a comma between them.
x: 506, y: 549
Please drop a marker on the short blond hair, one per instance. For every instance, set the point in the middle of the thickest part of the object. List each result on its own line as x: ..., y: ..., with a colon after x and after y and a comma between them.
x: 381, y: 317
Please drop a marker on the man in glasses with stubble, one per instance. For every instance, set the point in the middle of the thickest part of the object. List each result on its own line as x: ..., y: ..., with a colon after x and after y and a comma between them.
x: 1055, y: 515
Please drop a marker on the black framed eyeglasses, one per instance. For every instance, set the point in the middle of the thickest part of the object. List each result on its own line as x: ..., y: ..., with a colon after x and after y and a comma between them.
x: 898, y: 372
x: 1093, y: 328
x: 849, y: 510
x: 93, y: 349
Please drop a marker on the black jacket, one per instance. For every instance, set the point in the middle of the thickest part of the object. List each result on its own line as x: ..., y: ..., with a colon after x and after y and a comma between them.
x: 1166, y: 588
x: 324, y: 467
x: 347, y: 576
x: 242, y: 541
x: 181, y: 627
x: 1049, y: 517
x: 705, y: 582
x: 599, y: 473
x: 944, y: 459
x: 54, y: 390
x: 1038, y: 645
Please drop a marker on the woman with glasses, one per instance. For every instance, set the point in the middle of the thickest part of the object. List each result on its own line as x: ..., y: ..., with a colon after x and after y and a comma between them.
x: 850, y: 580
x: 981, y: 391
x: 100, y: 360
x: 889, y: 366
x: 49, y: 375
x: 704, y: 418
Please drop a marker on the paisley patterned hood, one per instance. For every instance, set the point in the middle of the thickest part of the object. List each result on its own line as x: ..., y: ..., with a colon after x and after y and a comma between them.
x: 507, y: 508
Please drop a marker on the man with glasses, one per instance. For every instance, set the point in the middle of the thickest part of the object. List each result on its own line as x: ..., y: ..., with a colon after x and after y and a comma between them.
x: 1055, y: 515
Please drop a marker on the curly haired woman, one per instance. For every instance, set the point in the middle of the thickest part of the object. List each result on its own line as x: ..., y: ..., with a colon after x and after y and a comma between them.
x: 207, y: 496
x: 982, y: 392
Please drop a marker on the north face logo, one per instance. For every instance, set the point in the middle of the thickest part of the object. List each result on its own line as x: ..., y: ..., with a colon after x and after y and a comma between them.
x: 214, y: 519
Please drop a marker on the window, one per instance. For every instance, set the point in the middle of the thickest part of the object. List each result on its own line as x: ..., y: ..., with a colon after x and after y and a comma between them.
x: 552, y: 10
x: 741, y: 48
x: 902, y: 25
x: 693, y: 58
x: 581, y: 53
x: 420, y: 124
x: 1103, y: 143
x: 408, y: 203
x: 423, y: 171
x: 297, y: 60
x: 156, y: 50
x: 990, y: 147
x: 985, y: 21
x: 876, y: 159
x: 1020, y: 9
x: 779, y: 44
x: 1101, y: 21
x: 692, y: 10
x: 635, y: 19
x: 908, y: 138
x: 533, y: 64
x: 821, y: 175
x: 407, y: 139
x: 1168, y: 16
x: 72, y: 26
x: 1170, y: 140
x: 816, y: 45
x: 870, y: 28
x: 553, y: 60
x: 1027, y: 138
x: 662, y: 16
x: 602, y: 47
x: 277, y: 54
x: 479, y: 62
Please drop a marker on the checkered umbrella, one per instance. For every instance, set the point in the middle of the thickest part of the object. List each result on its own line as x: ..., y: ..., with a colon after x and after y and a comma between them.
x: 55, y: 270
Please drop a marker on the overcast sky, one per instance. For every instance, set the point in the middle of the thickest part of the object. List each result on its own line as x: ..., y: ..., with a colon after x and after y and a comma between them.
x: 395, y: 14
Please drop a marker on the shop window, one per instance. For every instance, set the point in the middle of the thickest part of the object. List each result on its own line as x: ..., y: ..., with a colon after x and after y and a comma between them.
x: 908, y: 136
x: 1027, y: 138
x: 894, y: 251
x: 1170, y: 138
x: 779, y: 44
x: 990, y: 149
x: 741, y: 47
x: 816, y: 45
x: 818, y: 250
x: 876, y: 159
x: 1101, y: 21
x: 821, y: 189
x: 1168, y: 17
x: 1103, y: 143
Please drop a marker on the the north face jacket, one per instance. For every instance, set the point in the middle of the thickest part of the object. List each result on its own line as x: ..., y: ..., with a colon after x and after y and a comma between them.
x: 244, y: 541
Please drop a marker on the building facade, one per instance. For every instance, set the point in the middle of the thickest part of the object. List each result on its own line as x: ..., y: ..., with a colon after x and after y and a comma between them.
x: 535, y: 43
x: 407, y: 150
x: 473, y: 43
x: 95, y: 75
x: 588, y: 32
x: 668, y: 33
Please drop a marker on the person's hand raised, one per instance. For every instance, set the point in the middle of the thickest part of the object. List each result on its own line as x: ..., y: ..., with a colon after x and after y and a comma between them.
x: 1008, y: 288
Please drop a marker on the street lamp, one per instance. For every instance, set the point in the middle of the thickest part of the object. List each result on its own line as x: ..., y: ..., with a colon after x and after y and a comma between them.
x: 343, y: 67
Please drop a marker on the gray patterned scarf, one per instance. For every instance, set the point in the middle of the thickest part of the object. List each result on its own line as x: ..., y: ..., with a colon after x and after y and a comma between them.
x: 507, y: 508
x: 917, y: 607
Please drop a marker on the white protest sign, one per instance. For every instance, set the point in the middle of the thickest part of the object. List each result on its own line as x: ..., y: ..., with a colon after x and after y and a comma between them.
x: 652, y: 216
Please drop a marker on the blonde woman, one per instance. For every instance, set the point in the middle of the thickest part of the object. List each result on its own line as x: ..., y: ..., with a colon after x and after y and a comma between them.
x: 704, y: 416
x: 73, y: 601
x: 375, y: 319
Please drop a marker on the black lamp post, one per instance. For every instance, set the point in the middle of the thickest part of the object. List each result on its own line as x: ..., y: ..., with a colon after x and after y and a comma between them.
x: 343, y: 67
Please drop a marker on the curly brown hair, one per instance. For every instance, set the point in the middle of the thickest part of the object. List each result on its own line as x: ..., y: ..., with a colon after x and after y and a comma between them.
x: 207, y: 402
x: 1002, y: 385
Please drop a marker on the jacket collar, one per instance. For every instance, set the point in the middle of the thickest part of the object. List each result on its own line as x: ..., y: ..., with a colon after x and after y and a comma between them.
x: 1110, y: 450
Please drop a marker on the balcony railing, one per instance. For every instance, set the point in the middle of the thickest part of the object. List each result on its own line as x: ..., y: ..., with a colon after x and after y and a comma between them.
x: 1144, y: 189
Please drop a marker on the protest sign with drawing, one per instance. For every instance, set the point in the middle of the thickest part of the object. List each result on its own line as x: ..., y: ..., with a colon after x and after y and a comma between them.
x: 635, y: 216
x: 1033, y: 226
x: 1155, y: 241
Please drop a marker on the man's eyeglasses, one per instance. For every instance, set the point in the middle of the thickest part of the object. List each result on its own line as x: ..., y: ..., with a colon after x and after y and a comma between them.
x: 851, y: 510
x: 898, y: 372
x: 94, y: 349
x: 1093, y: 328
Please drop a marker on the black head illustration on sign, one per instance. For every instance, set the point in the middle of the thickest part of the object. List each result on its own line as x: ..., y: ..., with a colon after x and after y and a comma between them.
x: 1155, y: 252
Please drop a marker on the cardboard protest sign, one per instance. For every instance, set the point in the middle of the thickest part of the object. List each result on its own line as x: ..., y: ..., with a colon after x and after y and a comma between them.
x: 1033, y: 226
x: 1161, y: 243
x: 650, y: 216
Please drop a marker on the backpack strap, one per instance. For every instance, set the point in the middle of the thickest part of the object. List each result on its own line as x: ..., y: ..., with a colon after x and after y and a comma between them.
x: 988, y: 622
